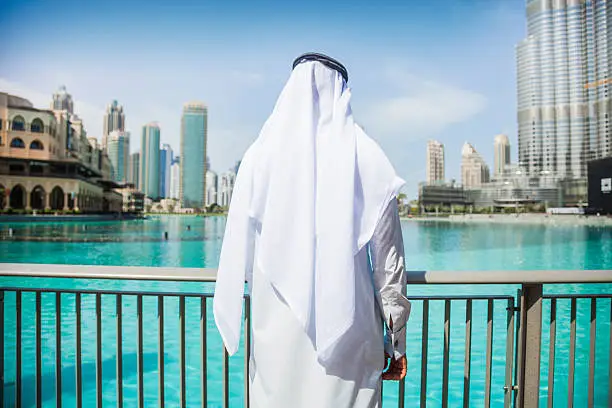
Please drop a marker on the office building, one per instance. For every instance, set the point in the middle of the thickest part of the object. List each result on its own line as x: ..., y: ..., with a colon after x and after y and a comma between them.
x: 435, y: 162
x: 149, y: 161
x: 226, y: 188
x: 474, y: 170
x: 175, y: 177
x: 564, y: 105
x: 194, y: 124
x: 134, y: 170
x: 501, y: 159
x: 211, y: 188
x: 62, y: 101
x: 118, y: 150
x: 165, y: 161
x: 114, y: 119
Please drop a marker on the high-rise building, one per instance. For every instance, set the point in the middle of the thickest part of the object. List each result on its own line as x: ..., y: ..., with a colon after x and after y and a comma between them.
x: 114, y: 119
x: 62, y: 101
x: 175, y: 178
x: 149, y: 160
x: 501, y: 158
x: 474, y: 170
x: 564, y: 104
x: 194, y: 123
x: 211, y: 188
x: 435, y: 162
x: 165, y: 161
x: 118, y: 149
x: 226, y: 188
x: 134, y: 170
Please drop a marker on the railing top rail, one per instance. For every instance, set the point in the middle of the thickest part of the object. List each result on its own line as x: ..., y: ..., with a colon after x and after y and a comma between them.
x: 209, y: 274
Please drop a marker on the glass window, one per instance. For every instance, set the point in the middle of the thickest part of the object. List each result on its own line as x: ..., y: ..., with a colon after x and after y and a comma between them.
x: 17, y: 143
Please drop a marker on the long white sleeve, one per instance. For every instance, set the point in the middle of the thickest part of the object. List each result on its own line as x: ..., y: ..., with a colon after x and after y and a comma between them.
x: 387, y: 256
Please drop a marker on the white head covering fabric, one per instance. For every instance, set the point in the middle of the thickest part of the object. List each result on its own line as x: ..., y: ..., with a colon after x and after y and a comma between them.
x: 314, y: 185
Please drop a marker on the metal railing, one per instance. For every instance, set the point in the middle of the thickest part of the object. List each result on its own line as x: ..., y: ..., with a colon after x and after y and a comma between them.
x: 523, y: 333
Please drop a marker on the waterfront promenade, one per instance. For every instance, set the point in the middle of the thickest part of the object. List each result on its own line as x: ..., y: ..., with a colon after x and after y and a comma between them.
x: 525, y: 219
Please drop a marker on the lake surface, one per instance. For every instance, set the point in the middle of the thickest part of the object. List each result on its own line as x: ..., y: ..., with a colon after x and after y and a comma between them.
x: 429, y: 246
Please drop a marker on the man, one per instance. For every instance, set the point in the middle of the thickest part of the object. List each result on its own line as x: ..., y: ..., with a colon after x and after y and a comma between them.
x: 313, y: 228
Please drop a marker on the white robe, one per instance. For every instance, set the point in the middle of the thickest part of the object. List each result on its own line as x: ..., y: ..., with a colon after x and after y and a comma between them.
x: 284, y: 370
x: 309, y: 195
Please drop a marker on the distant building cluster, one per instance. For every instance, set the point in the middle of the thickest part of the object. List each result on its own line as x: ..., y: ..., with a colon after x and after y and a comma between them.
x: 49, y: 162
x: 564, y: 74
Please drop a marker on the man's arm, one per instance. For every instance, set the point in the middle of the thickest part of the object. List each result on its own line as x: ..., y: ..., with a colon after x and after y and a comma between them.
x: 387, y: 254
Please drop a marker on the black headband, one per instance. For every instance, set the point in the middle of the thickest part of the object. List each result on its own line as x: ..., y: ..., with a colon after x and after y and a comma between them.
x: 325, y: 60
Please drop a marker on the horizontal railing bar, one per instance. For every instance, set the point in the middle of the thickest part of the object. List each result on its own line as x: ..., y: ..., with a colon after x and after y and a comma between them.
x: 109, y: 272
x: 209, y: 274
x: 110, y: 292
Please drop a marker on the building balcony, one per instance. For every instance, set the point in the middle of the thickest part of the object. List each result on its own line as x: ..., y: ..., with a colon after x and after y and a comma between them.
x: 160, y: 347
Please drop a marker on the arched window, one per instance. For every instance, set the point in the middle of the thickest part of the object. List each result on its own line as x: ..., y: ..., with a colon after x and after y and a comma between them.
x: 17, y: 143
x: 37, y: 126
x: 18, y: 123
x: 36, y: 145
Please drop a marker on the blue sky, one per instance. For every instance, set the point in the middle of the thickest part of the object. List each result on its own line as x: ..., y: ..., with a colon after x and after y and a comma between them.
x: 442, y: 69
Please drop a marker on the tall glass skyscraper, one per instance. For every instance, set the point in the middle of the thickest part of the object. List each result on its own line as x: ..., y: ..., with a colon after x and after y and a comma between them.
x: 563, y: 86
x: 114, y: 119
x: 194, y: 123
x: 149, y: 160
x: 134, y: 170
x: 118, y: 149
x: 165, y: 161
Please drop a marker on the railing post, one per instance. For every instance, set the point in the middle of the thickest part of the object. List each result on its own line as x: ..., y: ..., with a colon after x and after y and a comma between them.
x: 529, y: 346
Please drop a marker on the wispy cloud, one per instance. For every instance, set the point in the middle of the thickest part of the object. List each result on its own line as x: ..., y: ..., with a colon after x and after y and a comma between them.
x: 420, y: 107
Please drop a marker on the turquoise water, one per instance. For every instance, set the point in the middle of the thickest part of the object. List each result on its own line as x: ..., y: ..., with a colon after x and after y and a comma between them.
x: 429, y: 246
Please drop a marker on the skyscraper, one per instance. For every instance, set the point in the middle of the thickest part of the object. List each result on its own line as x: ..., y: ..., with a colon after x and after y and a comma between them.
x: 114, y: 119
x: 134, y: 170
x: 165, y: 161
x: 474, y: 170
x: 501, y: 155
x: 118, y: 148
x: 211, y: 188
x: 149, y: 160
x: 435, y: 162
x: 226, y: 188
x: 62, y: 100
x: 194, y: 123
x: 175, y: 177
x: 563, y: 82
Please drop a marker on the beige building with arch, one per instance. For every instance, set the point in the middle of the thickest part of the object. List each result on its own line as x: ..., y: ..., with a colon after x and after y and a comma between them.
x: 47, y: 161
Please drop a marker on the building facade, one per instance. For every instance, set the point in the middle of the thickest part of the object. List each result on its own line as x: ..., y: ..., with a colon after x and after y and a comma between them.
x: 62, y: 101
x: 175, y: 177
x: 165, y: 161
x: 226, y: 188
x: 134, y: 170
x: 118, y: 149
x: 194, y: 128
x: 563, y: 69
x: 474, y: 170
x: 149, y: 161
x: 211, y: 188
x: 501, y: 159
x: 435, y: 162
x: 46, y: 159
x: 114, y: 119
